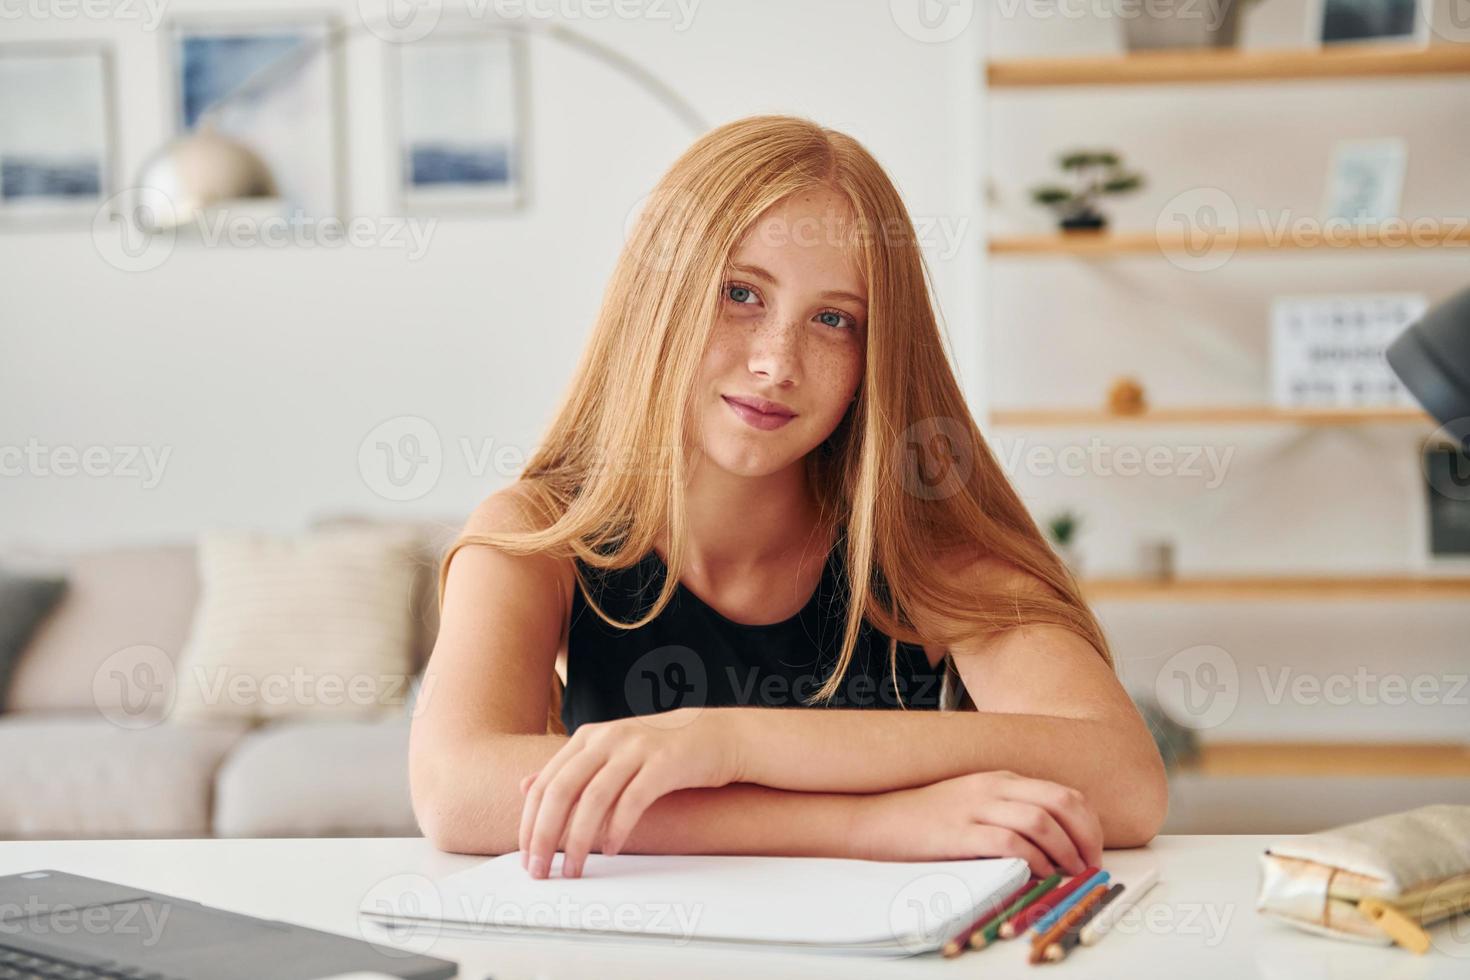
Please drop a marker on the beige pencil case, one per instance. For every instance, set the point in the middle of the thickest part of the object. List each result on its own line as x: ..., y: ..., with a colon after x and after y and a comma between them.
x: 1378, y: 881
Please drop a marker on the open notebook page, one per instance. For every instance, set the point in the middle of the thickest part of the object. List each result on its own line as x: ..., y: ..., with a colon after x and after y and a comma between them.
x: 880, y: 906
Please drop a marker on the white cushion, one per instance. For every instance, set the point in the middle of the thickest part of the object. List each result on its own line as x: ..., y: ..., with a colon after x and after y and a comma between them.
x: 317, y: 779
x: 315, y: 625
x: 80, y: 775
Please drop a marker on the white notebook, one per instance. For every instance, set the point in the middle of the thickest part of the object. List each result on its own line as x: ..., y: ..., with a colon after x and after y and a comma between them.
x: 816, y: 904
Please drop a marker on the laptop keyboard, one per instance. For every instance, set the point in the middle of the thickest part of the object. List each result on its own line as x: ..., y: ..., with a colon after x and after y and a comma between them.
x: 17, y: 964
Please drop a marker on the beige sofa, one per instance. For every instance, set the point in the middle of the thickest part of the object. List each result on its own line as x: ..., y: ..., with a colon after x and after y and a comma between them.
x: 71, y: 770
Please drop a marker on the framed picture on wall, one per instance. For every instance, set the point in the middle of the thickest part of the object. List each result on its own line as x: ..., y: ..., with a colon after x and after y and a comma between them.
x: 1403, y: 22
x: 57, y: 131
x: 1365, y: 181
x: 289, y: 113
x: 460, y: 101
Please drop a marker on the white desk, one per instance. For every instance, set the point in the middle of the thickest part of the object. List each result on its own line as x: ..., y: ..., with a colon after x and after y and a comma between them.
x: 1200, y: 921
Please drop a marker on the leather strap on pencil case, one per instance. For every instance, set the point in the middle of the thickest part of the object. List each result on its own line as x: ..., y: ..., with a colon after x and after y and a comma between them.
x: 1380, y: 881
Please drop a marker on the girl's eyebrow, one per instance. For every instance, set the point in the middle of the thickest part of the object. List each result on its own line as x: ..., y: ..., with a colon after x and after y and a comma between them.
x: 760, y: 273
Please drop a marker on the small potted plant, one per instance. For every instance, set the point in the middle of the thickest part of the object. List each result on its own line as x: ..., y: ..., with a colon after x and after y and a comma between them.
x: 1062, y: 527
x: 1097, y: 172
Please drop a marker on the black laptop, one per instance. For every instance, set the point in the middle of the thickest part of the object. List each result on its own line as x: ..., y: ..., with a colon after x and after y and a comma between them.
x: 56, y: 925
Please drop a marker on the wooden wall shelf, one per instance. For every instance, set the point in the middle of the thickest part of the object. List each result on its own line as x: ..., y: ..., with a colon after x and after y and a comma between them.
x: 1229, y: 65
x: 1278, y: 588
x: 1206, y: 415
x: 1403, y: 236
x: 1333, y: 759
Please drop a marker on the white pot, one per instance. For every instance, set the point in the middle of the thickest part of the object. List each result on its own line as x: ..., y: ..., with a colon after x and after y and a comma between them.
x: 1146, y: 26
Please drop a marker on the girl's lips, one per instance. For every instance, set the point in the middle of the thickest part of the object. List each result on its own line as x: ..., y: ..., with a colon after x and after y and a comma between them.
x: 757, y: 420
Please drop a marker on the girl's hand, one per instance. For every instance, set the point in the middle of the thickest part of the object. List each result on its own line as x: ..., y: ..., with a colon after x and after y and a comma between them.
x: 594, y: 790
x: 986, y: 814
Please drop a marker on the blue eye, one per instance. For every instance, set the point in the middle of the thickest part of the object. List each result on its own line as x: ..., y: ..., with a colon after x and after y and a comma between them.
x: 746, y: 296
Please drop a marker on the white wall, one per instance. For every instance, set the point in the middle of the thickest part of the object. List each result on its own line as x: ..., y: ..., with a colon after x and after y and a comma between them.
x: 261, y: 370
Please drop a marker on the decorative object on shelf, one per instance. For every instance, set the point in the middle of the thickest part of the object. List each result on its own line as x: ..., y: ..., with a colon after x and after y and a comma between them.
x: 1371, y: 21
x: 1366, y: 181
x: 1156, y: 559
x: 1126, y: 397
x: 57, y: 135
x: 461, y: 108
x: 1062, y: 527
x: 1098, y: 172
x: 1432, y: 359
x: 290, y: 130
x: 1149, y: 26
x: 1178, y: 744
x: 1328, y: 351
x: 1447, y: 468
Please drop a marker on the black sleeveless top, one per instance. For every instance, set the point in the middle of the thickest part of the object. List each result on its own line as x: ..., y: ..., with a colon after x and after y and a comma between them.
x: 692, y: 656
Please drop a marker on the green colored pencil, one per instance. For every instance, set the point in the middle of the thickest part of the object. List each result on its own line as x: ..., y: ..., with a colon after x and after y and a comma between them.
x: 986, y: 936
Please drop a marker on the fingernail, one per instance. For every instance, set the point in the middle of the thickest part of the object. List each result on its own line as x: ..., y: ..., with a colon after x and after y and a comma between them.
x: 572, y: 871
x: 538, y: 867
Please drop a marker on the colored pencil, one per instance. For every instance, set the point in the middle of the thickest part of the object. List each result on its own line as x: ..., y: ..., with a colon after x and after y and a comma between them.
x: 1044, y: 905
x: 1071, y: 917
x: 1057, y: 951
x: 1050, y: 919
x: 984, y: 937
x: 961, y: 941
x: 1133, y: 894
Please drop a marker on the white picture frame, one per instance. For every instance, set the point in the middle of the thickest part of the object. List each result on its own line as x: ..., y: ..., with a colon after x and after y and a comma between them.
x: 460, y: 106
x: 58, y: 132
x: 1365, y: 181
x: 295, y: 124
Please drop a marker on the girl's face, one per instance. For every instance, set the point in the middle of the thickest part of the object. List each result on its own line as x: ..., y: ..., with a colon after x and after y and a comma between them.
x: 789, y: 339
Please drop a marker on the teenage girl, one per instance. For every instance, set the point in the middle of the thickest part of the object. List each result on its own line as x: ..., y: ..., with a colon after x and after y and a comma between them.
x: 764, y: 493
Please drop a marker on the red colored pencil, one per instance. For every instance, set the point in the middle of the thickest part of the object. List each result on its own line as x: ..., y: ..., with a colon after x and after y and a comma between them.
x: 961, y: 942
x: 1044, y: 904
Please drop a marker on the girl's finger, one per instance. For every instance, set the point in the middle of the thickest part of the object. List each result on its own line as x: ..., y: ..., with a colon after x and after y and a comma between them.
x: 986, y: 840
x: 640, y: 793
x: 526, y: 781
x: 1038, y: 826
x: 591, y: 813
x: 557, y: 798
x: 1068, y: 806
x: 533, y: 795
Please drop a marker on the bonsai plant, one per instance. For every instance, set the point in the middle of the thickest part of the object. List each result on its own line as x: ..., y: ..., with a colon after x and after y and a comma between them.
x: 1062, y: 527
x: 1097, y: 173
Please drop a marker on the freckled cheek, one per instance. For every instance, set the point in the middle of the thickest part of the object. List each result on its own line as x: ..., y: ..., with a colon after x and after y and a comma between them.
x: 834, y: 372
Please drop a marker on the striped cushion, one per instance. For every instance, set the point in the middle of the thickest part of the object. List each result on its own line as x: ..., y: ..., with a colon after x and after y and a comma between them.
x: 317, y: 625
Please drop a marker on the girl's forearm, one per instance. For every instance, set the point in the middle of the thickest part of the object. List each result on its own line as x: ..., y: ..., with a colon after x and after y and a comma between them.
x: 470, y: 803
x: 1114, y: 763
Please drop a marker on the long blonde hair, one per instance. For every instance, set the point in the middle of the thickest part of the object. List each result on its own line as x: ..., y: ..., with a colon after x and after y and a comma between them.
x: 610, y: 474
